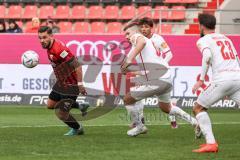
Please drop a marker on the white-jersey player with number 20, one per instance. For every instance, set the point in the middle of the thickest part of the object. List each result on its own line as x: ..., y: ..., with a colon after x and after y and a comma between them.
x: 219, y: 53
x: 146, y: 27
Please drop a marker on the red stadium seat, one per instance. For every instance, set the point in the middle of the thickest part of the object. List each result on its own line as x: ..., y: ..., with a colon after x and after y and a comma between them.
x: 178, y: 13
x: 65, y: 27
x: 81, y: 27
x: 161, y: 12
x: 165, y: 29
x: 111, y: 12
x: 97, y: 27
x: 114, y: 27
x: 145, y: 11
x: 2, y: 11
x: 62, y: 12
x: 78, y: 12
x: 30, y: 12
x: 46, y: 11
x: 14, y: 12
x: 95, y: 12
x: 127, y: 12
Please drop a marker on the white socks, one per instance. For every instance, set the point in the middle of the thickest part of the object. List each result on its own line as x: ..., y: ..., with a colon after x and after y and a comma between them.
x: 183, y: 115
x: 206, y: 127
x: 134, y: 112
x: 140, y: 107
x: 172, y: 118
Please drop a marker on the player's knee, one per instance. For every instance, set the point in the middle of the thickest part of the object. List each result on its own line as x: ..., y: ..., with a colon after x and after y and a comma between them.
x: 128, y: 100
x: 50, y: 107
x: 198, y: 108
x: 165, y: 107
x: 51, y: 104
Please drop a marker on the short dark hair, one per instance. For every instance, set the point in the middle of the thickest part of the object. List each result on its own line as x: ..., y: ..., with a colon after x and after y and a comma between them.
x: 134, y: 23
x: 147, y: 21
x: 207, y: 20
x: 45, y: 29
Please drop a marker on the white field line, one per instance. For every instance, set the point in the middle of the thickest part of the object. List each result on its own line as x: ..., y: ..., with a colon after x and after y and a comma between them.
x: 108, y: 125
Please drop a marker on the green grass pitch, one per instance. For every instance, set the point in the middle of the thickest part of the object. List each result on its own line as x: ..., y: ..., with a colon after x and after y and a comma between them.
x: 34, y: 133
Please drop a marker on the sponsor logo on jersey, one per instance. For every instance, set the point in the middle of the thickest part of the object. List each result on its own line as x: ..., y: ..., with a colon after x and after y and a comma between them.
x: 164, y: 45
x: 64, y: 54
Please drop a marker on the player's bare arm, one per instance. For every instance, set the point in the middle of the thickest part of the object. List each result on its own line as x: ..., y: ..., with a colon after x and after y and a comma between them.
x: 137, y: 50
x: 205, y: 66
x: 80, y: 82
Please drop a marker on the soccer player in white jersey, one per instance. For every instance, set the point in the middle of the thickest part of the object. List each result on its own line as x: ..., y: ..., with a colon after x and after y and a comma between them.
x: 146, y: 28
x: 219, y: 53
x: 145, y: 54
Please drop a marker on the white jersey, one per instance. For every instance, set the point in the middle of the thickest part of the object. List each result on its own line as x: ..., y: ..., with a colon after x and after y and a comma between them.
x: 160, y: 43
x: 224, y: 59
x: 148, y: 55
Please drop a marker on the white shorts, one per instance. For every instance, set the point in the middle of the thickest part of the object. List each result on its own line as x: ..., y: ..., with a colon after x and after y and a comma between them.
x: 162, y: 91
x: 218, y: 90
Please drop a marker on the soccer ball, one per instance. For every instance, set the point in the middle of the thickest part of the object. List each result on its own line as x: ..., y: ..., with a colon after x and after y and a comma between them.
x: 30, y: 59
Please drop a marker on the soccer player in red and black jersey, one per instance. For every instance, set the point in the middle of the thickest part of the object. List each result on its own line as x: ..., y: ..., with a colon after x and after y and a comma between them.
x: 69, y: 84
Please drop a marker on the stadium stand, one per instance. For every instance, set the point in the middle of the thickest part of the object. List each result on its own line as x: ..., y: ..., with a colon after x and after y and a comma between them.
x: 145, y: 9
x: 95, y: 12
x: 2, y: 11
x: 14, y: 12
x: 111, y: 12
x: 78, y: 12
x: 30, y: 11
x: 127, y: 12
x: 164, y: 29
x: 46, y: 11
x: 81, y: 27
x: 114, y: 27
x: 65, y: 27
x: 161, y: 12
x: 178, y: 13
x: 97, y: 27
x: 62, y: 12
x: 86, y: 12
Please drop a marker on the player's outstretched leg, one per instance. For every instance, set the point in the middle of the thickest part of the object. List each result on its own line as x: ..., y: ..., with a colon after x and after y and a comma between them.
x: 206, y: 128
x: 173, y: 121
x: 62, y: 112
x: 176, y: 111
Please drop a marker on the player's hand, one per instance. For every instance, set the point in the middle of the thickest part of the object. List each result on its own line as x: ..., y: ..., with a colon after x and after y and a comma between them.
x: 197, y: 86
x: 124, y: 67
x: 82, y: 90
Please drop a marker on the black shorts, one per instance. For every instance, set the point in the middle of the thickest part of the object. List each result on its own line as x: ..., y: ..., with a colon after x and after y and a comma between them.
x: 57, y: 96
x: 58, y: 93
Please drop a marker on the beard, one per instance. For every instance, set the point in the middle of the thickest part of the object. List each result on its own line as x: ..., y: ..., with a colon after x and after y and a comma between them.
x: 201, y: 33
x: 45, y: 45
